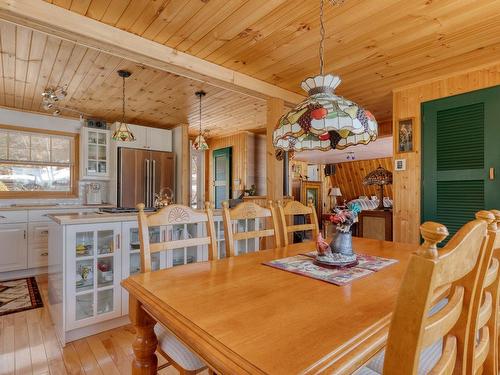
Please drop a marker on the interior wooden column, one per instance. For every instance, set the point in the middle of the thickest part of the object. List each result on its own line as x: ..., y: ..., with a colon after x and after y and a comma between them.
x: 274, y: 168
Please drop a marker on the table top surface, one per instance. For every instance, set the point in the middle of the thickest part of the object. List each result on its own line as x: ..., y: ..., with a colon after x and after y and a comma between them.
x: 239, y: 314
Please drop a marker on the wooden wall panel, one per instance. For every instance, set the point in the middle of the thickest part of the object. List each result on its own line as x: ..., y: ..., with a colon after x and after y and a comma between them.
x: 406, y: 103
x: 349, y: 178
x: 239, y: 154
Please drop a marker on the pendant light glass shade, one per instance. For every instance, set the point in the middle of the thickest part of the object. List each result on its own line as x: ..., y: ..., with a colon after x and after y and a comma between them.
x: 324, y: 121
x: 122, y: 132
x: 200, y: 144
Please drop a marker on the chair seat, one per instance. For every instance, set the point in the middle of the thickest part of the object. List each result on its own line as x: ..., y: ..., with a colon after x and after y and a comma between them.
x: 176, y: 350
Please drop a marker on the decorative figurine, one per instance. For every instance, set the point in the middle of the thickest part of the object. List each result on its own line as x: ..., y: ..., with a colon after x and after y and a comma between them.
x: 163, y: 198
x: 341, y: 252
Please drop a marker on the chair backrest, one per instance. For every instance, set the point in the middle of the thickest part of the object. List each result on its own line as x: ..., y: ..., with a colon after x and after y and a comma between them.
x: 244, y: 211
x: 174, y: 214
x: 413, y: 326
x: 492, y: 286
x: 293, y: 208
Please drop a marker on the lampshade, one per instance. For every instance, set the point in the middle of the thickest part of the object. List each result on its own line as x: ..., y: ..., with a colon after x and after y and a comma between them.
x: 324, y: 120
x: 123, y: 133
x: 199, y: 143
x: 335, y: 192
x: 379, y: 176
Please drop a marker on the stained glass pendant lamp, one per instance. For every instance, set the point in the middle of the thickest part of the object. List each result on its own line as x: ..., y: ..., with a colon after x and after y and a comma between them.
x: 122, y: 132
x: 324, y: 120
x: 199, y: 143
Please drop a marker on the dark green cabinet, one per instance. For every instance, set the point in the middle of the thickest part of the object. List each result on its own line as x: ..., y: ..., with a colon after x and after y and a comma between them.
x: 460, y: 157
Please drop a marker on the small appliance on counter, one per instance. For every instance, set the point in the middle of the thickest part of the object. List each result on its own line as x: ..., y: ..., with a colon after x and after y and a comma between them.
x: 93, y: 193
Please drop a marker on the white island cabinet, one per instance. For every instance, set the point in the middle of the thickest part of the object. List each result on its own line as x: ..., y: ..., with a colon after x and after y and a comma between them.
x: 89, y: 254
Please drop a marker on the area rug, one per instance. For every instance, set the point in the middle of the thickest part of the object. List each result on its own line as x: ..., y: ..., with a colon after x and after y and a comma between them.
x: 19, y: 295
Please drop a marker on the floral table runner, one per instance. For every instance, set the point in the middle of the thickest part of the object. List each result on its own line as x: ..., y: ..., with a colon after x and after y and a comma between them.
x: 304, y: 265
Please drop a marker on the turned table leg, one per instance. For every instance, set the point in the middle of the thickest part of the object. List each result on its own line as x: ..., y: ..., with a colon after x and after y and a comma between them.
x: 145, y: 361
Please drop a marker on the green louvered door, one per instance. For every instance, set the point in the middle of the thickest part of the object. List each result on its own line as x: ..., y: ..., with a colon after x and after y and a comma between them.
x: 460, y: 157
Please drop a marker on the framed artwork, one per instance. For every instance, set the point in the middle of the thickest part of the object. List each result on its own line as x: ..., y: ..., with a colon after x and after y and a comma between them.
x: 312, y: 190
x: 405, y: 135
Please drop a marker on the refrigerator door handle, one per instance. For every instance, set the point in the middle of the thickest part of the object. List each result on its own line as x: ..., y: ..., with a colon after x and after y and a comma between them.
x: 153, y: 185
x: 146, y: 203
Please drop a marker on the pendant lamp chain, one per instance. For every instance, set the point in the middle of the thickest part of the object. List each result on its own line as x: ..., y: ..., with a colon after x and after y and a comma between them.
x: 200, y: 113
x: 322, y: 40
x: 123, y: 99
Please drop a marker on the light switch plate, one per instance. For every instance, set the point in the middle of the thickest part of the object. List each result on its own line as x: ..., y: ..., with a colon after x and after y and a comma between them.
x: 400, y: 165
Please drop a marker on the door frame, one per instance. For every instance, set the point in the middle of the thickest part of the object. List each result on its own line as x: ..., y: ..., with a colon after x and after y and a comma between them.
x: 228, y: 152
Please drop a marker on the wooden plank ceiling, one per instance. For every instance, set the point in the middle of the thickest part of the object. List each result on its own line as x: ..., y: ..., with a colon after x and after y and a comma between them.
x: 374, y: 46
x: 32, y: 61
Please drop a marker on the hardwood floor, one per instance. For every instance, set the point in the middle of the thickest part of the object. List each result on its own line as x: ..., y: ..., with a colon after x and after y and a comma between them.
x: 28, y: 345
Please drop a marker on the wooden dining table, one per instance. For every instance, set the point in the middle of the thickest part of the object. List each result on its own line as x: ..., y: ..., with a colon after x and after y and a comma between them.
x: 243, y: 317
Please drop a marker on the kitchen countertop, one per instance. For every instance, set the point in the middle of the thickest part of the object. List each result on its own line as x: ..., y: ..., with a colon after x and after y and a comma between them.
x: 27, y: 207
x: 101, y: 217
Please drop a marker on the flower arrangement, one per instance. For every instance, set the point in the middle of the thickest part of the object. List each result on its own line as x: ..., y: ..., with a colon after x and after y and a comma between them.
x: 344, y: 218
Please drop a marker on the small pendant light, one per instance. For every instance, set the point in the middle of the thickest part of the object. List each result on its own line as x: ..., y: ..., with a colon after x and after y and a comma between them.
x: 123, y: 133
x: 199, y: 143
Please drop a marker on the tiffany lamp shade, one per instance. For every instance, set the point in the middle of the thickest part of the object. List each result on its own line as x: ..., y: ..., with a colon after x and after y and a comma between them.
x: 324, y: 120
x: 380, y: 177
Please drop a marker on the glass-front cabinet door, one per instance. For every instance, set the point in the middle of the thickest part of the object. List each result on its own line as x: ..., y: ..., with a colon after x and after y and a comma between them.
x: 186, y: 255
x: 93, y: 277
x: 95, y: 147
x: 131, y: 260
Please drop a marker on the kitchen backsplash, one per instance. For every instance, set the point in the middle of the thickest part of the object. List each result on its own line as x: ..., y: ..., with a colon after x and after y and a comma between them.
x: 79, y: 200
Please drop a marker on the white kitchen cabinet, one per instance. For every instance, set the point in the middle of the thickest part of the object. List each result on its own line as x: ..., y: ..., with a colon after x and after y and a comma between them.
x: 38, y: 244
x: 147, y: 138
x: 93, y: 264
x: 159, y: 139
x: 94, y: 154
x: 14, y: 247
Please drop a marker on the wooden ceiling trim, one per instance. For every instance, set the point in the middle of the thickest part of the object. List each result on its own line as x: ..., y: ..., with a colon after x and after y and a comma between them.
x: 23, y: 39
x: 114, y: 11
x: 165, y: 13
x: 97, y: 9
x: 37, y: 50
x: 8, y: 37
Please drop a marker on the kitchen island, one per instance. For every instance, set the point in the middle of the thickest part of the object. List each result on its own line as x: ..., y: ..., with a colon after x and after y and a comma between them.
x: 90, y: 253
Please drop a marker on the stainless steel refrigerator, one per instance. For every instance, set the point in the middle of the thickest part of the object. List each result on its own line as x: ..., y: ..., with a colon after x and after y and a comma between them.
x: 141, y: 174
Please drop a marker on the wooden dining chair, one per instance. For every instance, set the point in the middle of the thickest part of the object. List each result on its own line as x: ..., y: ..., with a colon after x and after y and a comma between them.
x: 244, y: 211
x: 425, y: 337
x: 492, y: 286
x: 292, y: 208
x: 169, y: 346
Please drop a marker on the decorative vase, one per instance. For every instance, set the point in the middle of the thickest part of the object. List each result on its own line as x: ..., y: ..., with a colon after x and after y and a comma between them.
x: 342, y: 243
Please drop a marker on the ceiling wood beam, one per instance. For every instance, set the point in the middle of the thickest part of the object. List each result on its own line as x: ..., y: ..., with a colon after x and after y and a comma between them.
x: 56, y: 21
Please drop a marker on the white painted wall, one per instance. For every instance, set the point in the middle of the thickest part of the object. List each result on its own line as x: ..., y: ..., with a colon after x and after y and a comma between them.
x: 177, y: 148
x: 38, y: 121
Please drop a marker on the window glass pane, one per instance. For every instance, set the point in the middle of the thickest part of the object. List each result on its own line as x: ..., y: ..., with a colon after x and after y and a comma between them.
x: 61, y: 150
x: 34, y: 178
x: 19, y: 146
x: 3, y: 145
x: 40, y: 148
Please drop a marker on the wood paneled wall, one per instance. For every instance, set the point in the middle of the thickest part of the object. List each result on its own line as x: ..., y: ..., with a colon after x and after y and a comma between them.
x: 349, y: 178
x: 406, y: 103
x: 239, y: 169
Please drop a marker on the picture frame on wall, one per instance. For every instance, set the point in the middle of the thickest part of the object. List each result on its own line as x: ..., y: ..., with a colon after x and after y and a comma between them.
x: 405, y: 135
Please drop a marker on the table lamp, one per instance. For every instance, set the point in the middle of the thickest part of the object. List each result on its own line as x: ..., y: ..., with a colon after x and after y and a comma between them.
x: 334, y: 192
x: 379, y: 177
